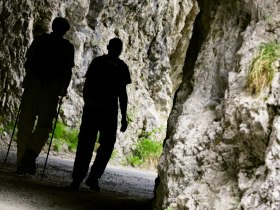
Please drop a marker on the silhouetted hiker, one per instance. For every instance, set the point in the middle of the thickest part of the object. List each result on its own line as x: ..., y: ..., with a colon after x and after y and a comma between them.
x: 105, y: 86
x: 49, y: 62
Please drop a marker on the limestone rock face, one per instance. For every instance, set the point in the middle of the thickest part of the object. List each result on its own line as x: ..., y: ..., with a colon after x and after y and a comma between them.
x: 155, y: 36
x: 222, y: 143
x: 153, y: 33
x: 222, y: 146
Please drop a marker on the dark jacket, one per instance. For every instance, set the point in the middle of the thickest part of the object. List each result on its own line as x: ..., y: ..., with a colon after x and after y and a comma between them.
x: 105, y: 78
x: 50, y: 59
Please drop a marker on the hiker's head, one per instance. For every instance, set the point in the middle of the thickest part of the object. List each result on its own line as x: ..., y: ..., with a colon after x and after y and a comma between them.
x: 115, y: 47
x: 39, y: 29
x: 60, y: 26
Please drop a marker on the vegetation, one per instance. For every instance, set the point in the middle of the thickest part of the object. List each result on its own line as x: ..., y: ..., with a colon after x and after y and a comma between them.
x: 65, y: 135
x: 131, y: 114
x: 146, y: 153
x: 114, y: 154
x: 8, y: 127
x: 97, y: 144
x: 261, y: 70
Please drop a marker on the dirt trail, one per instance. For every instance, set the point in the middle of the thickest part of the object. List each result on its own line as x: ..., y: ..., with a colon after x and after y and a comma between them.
x: 121, y: 188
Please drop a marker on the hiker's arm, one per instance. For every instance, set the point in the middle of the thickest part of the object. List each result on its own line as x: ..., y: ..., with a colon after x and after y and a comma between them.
x: 31, y: 51
x: 123, y: 99
x: 68, y: 72
x: 88, y: 80
x: 66, y: 82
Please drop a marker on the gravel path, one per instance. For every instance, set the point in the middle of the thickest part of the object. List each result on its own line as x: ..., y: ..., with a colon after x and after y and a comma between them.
x: 121, y: 188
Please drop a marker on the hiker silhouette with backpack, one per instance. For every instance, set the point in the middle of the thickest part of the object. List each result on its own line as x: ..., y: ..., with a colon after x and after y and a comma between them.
x: 49, y: 62
x: 104, y: 89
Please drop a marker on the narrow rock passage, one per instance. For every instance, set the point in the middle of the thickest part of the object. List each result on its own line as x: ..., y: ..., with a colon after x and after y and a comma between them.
x: 122, y: 188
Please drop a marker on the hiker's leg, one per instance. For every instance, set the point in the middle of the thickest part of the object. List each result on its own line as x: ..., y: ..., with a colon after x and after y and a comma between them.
x: 107, y: 141
x: 26, y: 121
x: 47, y: 111
x: 103, y: 155
x: 87, y: 139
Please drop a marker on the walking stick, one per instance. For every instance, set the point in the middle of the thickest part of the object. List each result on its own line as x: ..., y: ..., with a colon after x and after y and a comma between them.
x: 12, y: 135
x: 60, y: 102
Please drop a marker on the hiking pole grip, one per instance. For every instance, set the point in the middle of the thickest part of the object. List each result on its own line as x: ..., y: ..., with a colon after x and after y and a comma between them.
x: 10, y: 143
x: 56, y: 118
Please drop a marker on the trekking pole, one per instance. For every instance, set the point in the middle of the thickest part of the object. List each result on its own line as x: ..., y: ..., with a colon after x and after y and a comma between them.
x: 60, y: 102
x: 12, y: 134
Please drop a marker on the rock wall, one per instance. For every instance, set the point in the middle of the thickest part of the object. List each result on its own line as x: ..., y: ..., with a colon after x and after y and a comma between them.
x: 221, y: 148
x: 222, y: 145
x: 154, y: 35
x: 155, y: 46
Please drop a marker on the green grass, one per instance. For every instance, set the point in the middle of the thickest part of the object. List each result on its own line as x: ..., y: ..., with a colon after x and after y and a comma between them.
x: 146, y: 153
x: 131, y: 114
x: 114, y: 154
x: 65, y: 135
x: 7, y: 125
x: 261, y: 70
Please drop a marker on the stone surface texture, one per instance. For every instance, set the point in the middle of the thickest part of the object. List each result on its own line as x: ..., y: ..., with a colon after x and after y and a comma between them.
x: 222, y: 145
x: 189, y: 62
x: 153, y: 33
